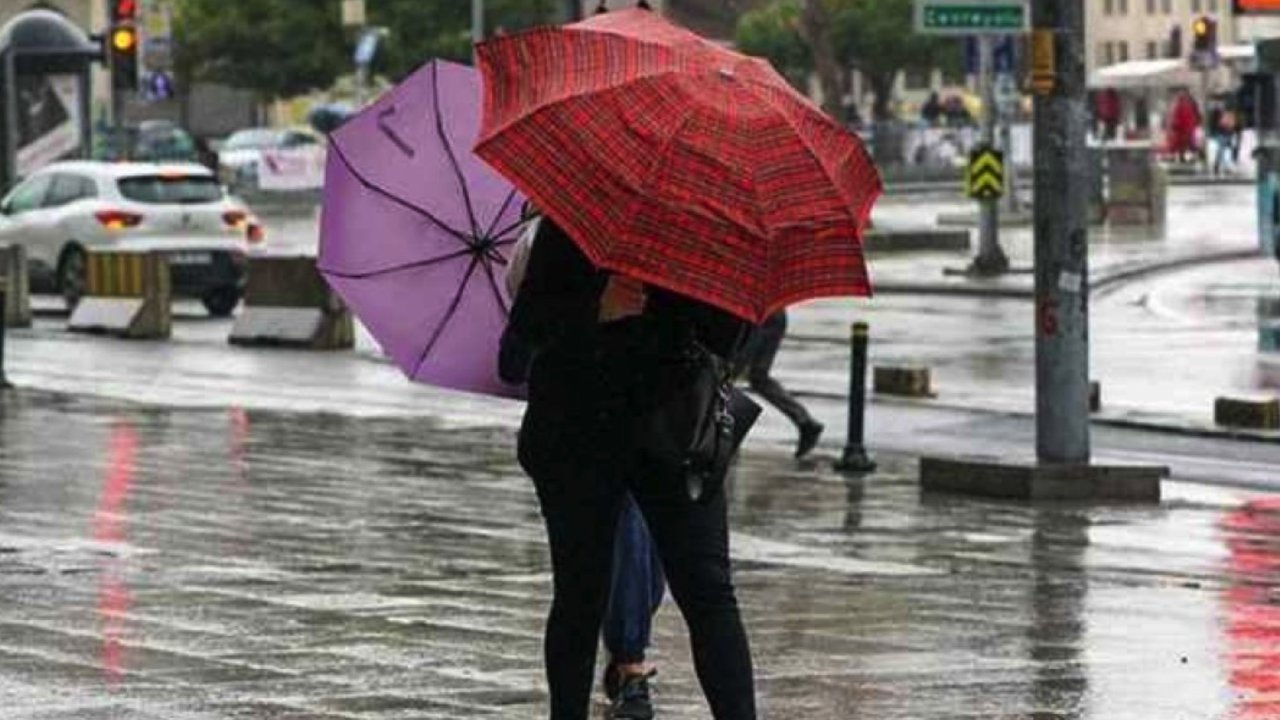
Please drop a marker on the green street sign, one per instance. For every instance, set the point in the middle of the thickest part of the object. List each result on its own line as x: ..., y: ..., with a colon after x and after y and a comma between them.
x: 972, y: 17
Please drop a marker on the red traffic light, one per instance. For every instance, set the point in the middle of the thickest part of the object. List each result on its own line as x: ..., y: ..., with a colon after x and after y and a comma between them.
x: 125, y: 9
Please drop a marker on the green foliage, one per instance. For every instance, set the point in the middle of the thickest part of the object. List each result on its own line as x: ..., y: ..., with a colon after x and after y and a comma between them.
x: 879, y: 38
x: 773, y: 32
x: 282, y: 48
x: 277, y: 48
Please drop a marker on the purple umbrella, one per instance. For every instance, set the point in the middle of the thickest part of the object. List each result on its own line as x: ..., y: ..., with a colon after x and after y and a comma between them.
x: 415, y: 230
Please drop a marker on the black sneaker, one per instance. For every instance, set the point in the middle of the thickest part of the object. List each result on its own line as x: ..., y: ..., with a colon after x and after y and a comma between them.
x: 612, y: 682
x: 809, y: 434
x: 633, y: 701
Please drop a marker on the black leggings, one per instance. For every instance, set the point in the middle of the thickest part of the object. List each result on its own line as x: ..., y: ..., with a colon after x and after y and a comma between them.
x: 692, y: 538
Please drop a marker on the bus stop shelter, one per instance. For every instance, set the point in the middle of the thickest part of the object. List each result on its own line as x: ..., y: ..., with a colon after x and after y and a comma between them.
x: 45, y: 62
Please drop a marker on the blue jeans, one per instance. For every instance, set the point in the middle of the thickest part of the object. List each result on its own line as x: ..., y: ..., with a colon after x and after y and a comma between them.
x: 635, y: 590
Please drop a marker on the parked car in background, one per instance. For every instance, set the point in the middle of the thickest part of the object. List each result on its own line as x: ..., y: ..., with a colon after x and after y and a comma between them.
x: 64, y: 210
x: 148, y: 141
x: 239, y: 156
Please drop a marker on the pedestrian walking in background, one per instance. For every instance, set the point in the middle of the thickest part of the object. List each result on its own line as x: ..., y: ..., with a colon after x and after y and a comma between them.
x: 1181, y: 127
x: 757, y: 363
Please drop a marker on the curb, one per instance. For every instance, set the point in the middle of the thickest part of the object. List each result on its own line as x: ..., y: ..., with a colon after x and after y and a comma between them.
x: 1102, y: 420
x: 1099, y: 284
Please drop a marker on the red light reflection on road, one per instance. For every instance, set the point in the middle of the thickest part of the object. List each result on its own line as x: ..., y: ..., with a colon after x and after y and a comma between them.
x: 1253, y: 608
x: 110, y: 521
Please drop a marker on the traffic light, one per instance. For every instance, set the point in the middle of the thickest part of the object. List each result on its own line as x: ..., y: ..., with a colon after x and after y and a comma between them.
x: 122, y: 44
x: 1204, y: 33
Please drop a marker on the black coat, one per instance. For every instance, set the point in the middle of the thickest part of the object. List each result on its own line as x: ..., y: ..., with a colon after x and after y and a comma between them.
x: 589, y: 382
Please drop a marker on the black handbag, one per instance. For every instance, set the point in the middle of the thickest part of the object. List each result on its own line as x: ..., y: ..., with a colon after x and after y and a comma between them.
x: 699, y: 421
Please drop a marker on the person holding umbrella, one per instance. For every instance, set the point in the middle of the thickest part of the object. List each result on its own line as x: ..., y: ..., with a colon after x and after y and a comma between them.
x: 689, y: 192
x: 601, y: 343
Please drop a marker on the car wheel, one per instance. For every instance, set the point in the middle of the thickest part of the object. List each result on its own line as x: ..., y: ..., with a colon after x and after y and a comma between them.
x: 72, y: 271
x: 221, y: 302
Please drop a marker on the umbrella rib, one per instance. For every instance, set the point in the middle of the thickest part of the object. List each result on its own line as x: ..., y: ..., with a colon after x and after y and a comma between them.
x: 493, y: 283
x: 459, y: 235
x: 397, y: 268
x: 504, y: 232
x: 453, y: 159
x: 502, y: 211
x: 448, y: 315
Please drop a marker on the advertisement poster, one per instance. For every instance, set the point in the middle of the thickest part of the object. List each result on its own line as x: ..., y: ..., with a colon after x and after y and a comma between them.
x: 292, y: 169
x: 1258, y: 7
x: 48, y: 126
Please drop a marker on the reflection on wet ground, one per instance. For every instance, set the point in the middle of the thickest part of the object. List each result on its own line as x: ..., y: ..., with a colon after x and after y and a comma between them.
x: 223, y: 564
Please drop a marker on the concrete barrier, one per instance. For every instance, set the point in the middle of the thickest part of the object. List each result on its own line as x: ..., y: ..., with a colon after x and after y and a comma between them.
x: 287, y: 303
x: 903, y: 381
x: 1254, y: 414
x: 127, y: 295
x: 17, y: 287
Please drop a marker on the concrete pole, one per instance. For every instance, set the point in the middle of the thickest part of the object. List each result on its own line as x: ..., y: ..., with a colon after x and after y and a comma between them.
x: 1062, y: 244
x: 1007, y: 116
x: 991, y: 259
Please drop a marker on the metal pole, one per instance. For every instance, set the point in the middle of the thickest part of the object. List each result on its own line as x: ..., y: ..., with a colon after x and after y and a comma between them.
x: 1061, y: 244
x: 4, y: 324
x: 855, y: 457
x: 991, y: 259
x: 572, y: 10
x: 477, y: 21
x: 1010, y: 167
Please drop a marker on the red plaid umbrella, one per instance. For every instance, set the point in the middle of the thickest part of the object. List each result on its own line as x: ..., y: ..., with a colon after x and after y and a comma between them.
x: 678, y: 162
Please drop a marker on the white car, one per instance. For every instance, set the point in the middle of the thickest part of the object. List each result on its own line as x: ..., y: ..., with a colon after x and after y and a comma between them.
x: 66, y: 209
x: 239, y: 156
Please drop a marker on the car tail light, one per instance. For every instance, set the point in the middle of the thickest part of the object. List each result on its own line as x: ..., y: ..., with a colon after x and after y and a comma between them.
x: 254, y: 234
x: 117, y: 219
x: 235, y: 218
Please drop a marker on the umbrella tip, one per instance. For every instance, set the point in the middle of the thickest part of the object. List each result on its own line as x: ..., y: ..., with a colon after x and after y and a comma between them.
x: 602, y: 8
x: 644, y: 5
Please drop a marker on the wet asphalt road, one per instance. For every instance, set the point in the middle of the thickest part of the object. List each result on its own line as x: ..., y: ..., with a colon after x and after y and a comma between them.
x: 185, y: 563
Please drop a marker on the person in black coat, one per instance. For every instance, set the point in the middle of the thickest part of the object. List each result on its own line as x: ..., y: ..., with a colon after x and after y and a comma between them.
x: 598, y: 346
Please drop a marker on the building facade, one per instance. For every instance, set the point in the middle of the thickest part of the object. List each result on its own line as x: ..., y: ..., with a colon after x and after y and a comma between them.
x: 1120, y: 31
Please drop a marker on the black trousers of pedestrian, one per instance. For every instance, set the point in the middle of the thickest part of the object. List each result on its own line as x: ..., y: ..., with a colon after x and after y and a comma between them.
x: 760, y: 355
x: 581, y: 509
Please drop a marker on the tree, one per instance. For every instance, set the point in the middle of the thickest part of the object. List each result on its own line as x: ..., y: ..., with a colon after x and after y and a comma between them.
x: 815, y: 28
x: 276, y: 48
x: 282, y: 48
x: 879, y: 40
x: 773, y: 32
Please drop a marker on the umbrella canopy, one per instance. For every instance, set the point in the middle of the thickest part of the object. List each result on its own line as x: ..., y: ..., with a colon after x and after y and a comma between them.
x: 415, y: 230
x: 678, y: 162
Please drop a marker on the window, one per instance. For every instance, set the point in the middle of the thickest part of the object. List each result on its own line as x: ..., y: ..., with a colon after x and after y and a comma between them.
x: 1151, y: 7
x: 1213, y: 6
x: 1124, y: 7
x: 1108, y: 54
x: 1122, y: 51
x: 170, y: 189
x: 66, y: 189
x: 1109, y: 7
x: 1166, y: 6
x: 1195, y: 6
x: 1153, y: 50
x: 28, y: 195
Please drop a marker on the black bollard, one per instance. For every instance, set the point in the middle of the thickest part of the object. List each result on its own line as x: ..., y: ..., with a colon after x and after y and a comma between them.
x: 4, y: 326
x: 855, y: 459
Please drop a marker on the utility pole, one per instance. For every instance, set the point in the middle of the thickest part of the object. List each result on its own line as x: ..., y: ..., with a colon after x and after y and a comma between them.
x: 1062, y: 241
x: 991, y: 259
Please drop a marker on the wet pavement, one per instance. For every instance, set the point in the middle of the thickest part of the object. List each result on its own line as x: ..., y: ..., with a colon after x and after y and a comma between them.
x: 224, y: 563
